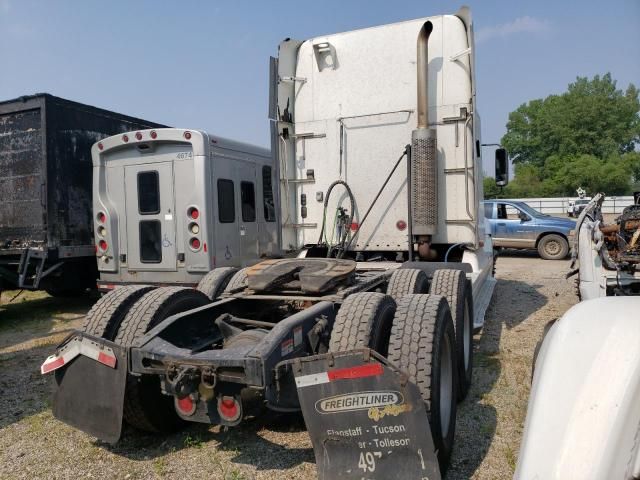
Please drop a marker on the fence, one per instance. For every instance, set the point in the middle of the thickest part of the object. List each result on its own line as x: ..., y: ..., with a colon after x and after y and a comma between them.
x: 559, y: 206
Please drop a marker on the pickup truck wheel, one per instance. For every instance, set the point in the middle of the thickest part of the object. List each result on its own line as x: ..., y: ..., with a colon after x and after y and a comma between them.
x: 553, y: 247
x: 454, y: 286
x: 237, y: 282
x: 422, y: 344
x: 214, y: 282
x: 405, y: 281
x: 364, y: 320
x: 106, y: 315
x: 145, y: 407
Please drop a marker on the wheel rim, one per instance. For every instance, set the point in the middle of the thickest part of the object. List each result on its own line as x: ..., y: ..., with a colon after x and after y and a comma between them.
x: 552, y: 247
x: 446, y: 386
x: 466, y: 337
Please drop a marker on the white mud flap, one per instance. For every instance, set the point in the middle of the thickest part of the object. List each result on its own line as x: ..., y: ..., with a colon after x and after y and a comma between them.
x: 365, y: 419
x: 90, y: 376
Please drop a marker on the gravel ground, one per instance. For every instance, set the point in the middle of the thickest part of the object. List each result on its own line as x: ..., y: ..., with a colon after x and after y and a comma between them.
x: 530, y: 292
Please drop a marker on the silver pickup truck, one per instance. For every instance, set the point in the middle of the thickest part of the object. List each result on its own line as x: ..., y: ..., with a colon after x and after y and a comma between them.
x: 515, y: 224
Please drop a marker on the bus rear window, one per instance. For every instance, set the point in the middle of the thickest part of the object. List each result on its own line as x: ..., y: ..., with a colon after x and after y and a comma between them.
x: 148, y: 193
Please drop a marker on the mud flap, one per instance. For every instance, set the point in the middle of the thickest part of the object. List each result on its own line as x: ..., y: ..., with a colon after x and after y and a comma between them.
x: 89, y: 395
x: 365, y: 419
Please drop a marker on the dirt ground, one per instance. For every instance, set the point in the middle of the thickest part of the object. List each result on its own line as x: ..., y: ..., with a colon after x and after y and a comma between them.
x: 530, y: 292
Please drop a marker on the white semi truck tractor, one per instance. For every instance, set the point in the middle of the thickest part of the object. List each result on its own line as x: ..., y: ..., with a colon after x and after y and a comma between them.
x: 366, y: 327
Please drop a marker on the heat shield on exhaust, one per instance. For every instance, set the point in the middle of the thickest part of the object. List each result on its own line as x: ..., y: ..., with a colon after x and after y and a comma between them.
x: 89, y: 395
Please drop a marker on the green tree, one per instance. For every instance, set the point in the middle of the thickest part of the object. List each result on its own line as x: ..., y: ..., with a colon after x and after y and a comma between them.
x: 491, y: 190
x: 593, y: 117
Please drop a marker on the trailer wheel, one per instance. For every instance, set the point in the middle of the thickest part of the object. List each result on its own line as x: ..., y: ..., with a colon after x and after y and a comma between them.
x: 405, y: 281
x: 145, y: 407
x: 237, y: 282
x: 106, y: 315
x: 422, y: 344
x: 214, y: 282
x: 364, y: 320
x: 454, y: 286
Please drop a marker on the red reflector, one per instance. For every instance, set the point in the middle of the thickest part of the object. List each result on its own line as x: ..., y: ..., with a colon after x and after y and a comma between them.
x: 401, y: 224
x: 368, y: 370
x: 102, y: 217
x: 107, y: 360
x: 186, y: 405
x: 102, y: 245
x: 228, y: 408
x: 53, y: 365
x: 187, y: 135
x: 195, y: 243
x: 153, y: 134
x: 100, y: 146
x: 125, y: 138
x: 354, y: 226
x: 138, y: 135
x: 205, y: 247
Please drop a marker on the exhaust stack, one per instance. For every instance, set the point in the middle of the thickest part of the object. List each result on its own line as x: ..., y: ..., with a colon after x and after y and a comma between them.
x: 424, y: 172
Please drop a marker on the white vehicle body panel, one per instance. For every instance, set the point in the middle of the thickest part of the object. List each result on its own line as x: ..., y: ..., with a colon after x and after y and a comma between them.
x: 353, y: 118
x: 188, y: 172
x: 583, y: 420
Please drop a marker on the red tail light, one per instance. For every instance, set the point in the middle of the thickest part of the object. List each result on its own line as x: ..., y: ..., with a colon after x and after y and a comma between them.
x: 354, y: 226
x: 401, y: 225
x: 193, y: 213
x: 186, y: 405
x: 102, y: 217
x: 195, y: 243
x: 102, y: 245
x: 229, y: 408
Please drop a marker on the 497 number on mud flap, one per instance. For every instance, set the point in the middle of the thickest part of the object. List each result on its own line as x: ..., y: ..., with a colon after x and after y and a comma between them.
x: 366, y: 421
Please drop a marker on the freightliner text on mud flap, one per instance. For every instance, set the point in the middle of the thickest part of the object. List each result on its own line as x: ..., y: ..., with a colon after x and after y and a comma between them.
x: 365, y: 419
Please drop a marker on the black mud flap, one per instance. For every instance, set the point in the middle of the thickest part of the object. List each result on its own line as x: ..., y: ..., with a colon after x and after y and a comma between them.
x: 365, y: 419
x: 90, y: 395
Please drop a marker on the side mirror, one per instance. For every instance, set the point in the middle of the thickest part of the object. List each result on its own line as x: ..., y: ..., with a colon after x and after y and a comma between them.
x: 502, y: 167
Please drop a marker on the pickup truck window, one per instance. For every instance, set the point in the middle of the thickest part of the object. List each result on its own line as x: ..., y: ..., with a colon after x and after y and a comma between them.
x: 488, y: 210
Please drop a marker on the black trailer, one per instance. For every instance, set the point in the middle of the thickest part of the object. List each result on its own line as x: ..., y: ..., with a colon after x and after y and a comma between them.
x: 46, y: 232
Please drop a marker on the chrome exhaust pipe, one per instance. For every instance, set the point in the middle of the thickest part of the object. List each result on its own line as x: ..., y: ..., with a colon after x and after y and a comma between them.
x: 424, y: 162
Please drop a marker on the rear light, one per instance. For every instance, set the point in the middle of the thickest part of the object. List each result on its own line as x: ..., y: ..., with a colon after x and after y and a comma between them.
x: 229, y: 409
x: 194, y: 243
x: 153, y: 134
x: 194, y: 228
x: 193, y: 213
x: 102, y: 245
x: 125, y: 138
x: 354, y: 226
x: 187, y: 135
x: 101, y: 217
x: 186, y: 406
x: 102, y: 231
x: 100, y: 146
x: 401, y: 225
x: 138, y: 135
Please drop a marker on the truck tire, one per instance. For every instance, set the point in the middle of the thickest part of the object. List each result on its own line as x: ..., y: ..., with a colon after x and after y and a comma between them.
x: 145, y: 407
x: 553, y: 247
x: 405, y: 281
x: 364, y: 320
x: 238, y: 281
x: 214, y: 282
x: 454, y: 286
x: 422, y: 344
x: 106, y: 315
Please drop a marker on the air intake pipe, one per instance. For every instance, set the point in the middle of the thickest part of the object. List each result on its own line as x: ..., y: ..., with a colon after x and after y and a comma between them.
x: 424, y: 171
